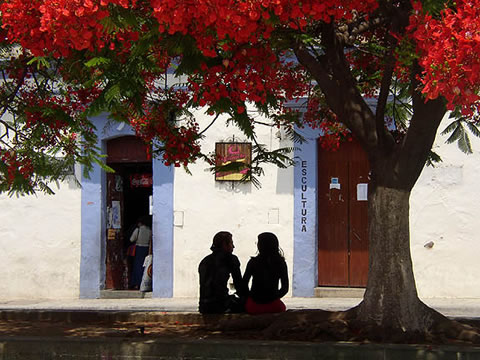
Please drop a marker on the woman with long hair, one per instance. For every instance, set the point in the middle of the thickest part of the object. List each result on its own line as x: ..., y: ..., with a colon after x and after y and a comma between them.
x: 267, y: 270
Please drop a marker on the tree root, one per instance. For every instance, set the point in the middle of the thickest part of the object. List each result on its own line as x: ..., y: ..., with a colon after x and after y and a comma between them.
x: 319, y: 325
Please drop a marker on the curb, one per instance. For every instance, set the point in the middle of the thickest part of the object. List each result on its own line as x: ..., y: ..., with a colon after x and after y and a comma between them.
x: 93, y: 316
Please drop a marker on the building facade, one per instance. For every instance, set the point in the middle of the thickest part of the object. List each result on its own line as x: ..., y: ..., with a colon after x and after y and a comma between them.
x: 73, y: 244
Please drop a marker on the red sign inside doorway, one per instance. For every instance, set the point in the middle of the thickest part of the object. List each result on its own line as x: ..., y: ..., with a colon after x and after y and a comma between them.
x: 141, y: 180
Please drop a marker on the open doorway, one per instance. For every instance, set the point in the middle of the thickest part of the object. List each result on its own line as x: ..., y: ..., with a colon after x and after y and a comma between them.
x: 128, y: 198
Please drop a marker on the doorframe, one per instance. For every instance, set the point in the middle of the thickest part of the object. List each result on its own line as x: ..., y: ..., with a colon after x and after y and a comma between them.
x: 305, y: 219
x: 93, y: 220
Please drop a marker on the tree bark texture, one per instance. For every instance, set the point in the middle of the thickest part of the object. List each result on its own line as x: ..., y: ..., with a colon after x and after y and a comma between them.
x: 391, y: 299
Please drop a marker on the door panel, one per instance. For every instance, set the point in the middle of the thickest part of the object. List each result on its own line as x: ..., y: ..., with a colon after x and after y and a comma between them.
x: 358, y: 217
x: 333, y: 212
x: 342, y: 211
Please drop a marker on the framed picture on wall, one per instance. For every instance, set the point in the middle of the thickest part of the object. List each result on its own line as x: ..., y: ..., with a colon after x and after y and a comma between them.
x: 233, y: 159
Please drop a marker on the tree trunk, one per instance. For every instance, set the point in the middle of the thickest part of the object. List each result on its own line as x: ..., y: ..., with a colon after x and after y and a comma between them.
x: 391, y: 299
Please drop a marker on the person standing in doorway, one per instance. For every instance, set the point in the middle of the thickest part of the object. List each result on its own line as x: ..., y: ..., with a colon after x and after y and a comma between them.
x: 215, y: 270
x: 142, y: 237
x: 267, y: 270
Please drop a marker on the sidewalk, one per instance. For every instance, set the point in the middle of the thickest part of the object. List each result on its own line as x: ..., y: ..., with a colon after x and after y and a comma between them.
x: 132, y: 329
x: 465, y: 308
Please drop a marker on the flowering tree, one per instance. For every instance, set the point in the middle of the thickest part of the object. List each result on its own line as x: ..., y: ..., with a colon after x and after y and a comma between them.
x: 65, y: 60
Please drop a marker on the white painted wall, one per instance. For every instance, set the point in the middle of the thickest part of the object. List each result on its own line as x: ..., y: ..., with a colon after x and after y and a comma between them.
x: 40, y: 235
x: 209, y: 206
x: 443, y: 209
x: 40, y: 242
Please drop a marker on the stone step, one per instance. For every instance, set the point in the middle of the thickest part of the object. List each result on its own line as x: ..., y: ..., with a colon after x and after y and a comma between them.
x: 124, y: 294
x: 338, y: 292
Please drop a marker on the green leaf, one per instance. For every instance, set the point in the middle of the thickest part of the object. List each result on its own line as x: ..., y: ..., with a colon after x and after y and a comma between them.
x: 112, y: 92
x: 433, y: 158
x: 473, y: 128
x: 41, y: 62
x: 464, y: 143
x: 96, y: 61
x: 451, y: 127
x: 457, y: 131
x: 460, y: 135
x: 295, y: 136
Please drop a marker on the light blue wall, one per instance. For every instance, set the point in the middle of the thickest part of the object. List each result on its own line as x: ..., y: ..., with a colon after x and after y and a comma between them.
x: 162, y: 230
x: 92, y: 263
x: 305, y: 249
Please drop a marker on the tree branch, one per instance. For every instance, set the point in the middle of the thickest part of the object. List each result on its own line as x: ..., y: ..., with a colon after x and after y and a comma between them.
x: 427, y: 116
x: 333, y: 75
x: 385, y: 136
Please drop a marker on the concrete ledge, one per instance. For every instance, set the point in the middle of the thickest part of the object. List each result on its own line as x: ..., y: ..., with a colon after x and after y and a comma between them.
x: 170, y: 349
x: 124, y: 294
x: 109, y: 317
x: 338, y: 292
x: 83, y: 317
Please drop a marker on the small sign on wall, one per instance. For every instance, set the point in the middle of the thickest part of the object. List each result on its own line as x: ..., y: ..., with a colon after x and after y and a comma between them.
x: 236, y: 157
x: 111, y: 234
x: 114, y: 215
x: 362, y: 192
x: 141, y: 180
x: 334, y: 184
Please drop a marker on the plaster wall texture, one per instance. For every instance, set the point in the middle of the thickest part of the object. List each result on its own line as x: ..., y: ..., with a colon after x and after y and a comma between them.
x: 40, y: 242
x: 40, y: 235
x: 203, y: 206
x: 443, y: 210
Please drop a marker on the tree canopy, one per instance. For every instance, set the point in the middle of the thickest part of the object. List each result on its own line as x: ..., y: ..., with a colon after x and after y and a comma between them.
x: 66, y: 60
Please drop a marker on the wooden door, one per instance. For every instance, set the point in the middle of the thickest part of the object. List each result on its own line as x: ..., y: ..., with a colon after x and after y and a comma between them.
x: 342, y: 216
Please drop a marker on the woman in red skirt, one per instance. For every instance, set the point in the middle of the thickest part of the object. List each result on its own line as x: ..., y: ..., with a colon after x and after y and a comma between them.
x: 268, y: 269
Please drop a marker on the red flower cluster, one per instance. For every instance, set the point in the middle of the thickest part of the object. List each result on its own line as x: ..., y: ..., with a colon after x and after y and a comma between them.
x: 58, y: 26
x: 450, y: 54
x: 247, y: 21
x: 17, y: 166
x: 158, y: 126
x: 318, y: 116
x: 251, y: 74
x: 54, y: 119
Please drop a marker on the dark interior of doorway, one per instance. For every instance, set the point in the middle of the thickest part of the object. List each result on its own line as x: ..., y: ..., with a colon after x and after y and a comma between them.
x: 134, y: 204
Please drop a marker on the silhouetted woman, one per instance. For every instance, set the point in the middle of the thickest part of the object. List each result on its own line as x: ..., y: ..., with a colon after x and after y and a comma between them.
x: 267, y: 270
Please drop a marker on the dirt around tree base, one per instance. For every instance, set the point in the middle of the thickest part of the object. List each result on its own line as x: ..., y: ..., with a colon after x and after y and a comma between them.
x: 318, y: 325
x: 304, y: 325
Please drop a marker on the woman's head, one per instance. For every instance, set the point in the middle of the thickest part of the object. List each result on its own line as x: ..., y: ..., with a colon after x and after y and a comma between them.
x: 268, y: 245
x: 143, y: 220
x: 222, y: 240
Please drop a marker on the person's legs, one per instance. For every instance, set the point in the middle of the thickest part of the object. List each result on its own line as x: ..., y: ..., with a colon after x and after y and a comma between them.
x: 212, y: 307
x: 235, y: 304
x: 137, y: 273
x: 254, y: 308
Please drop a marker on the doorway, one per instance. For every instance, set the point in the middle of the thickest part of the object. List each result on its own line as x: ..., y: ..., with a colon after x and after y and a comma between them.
x: 342, y: 216
x: 128, y: 198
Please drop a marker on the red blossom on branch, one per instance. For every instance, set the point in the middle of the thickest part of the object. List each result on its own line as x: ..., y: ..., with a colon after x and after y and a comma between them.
x: 449, y: 48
